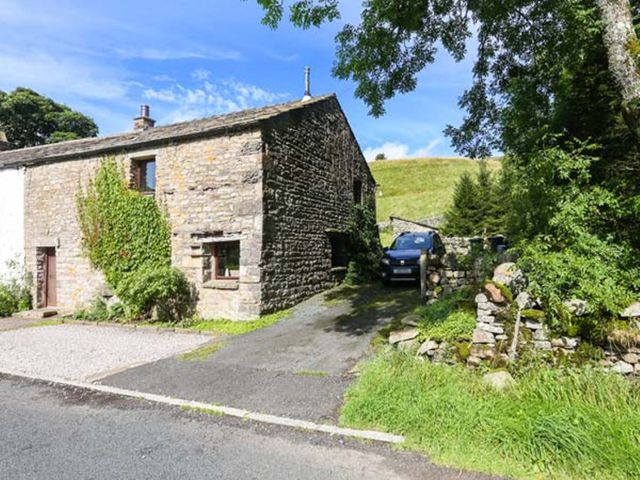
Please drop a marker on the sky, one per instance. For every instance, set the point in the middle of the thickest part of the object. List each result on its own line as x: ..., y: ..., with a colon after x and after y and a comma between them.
x: 192, y: 59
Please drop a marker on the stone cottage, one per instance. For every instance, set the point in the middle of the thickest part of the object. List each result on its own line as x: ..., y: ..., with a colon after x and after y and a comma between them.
x: 258, y: 203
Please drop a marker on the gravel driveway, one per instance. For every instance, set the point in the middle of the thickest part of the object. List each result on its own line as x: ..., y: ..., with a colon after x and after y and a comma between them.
x: 83, y: 352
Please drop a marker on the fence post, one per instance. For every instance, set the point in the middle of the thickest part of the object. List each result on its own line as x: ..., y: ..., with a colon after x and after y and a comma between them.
x: 424, y: 256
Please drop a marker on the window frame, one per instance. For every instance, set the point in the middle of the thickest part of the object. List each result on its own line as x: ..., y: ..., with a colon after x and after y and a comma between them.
x: 215, y: 259
x: 139, y: 173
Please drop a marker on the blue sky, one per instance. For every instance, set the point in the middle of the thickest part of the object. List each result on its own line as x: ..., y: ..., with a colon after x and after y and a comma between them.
x: 191, y: 59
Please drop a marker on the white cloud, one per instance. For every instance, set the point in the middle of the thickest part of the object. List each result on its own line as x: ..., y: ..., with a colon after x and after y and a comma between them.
x: 209, y: 97
x: 178, y: 54
x: 200, y: 74
x: 60, y: 74
x: 395, y: 150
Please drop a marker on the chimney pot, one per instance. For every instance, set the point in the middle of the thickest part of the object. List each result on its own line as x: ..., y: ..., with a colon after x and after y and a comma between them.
x: 307, y: 84
x: 144, y: 121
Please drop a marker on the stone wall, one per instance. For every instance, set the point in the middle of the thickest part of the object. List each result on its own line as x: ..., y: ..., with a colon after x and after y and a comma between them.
x: 50, y: 221
x: 208, y: 185
x: 445, y: 275
x: 312, y: 160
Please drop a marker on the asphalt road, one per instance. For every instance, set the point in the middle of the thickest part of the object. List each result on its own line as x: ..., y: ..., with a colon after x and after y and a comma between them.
x: 54, y: 432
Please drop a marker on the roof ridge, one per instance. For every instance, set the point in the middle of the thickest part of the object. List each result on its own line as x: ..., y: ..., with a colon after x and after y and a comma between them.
x: 186, y: 129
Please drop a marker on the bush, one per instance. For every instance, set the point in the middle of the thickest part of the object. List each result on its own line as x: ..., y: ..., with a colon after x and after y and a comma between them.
x: 365, y: 250
x: 8, y: 302
x: 100, y: 311
x: 159, y: 294
x: 15, y: 295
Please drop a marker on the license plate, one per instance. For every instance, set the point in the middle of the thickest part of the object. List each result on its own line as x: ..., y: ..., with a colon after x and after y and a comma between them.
x: 401, y: 271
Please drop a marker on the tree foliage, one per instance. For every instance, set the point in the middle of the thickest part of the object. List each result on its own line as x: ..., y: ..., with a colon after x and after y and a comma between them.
x: 477, y: 208
x: 547, y: 92
x: 364, y: 248
x: 30, y: 119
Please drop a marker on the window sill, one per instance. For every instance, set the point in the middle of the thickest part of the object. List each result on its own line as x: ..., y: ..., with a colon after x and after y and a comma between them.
x: 222, y: 284
x: 338, y: 269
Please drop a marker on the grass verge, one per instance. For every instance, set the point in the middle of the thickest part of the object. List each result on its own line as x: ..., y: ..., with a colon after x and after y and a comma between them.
x: 231, y: 327
x: 564, y: 424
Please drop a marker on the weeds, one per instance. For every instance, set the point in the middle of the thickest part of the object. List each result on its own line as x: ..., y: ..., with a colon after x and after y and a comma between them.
x: 554, y: 423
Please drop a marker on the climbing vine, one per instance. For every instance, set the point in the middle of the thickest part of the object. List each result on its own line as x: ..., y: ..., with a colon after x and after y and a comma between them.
x: 365, y: 250
x: 122, y: 230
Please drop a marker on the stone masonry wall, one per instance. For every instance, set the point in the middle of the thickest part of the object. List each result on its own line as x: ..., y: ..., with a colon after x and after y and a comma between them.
x: 50, y: 221
x: 207, y: 185
x: 311, y: 163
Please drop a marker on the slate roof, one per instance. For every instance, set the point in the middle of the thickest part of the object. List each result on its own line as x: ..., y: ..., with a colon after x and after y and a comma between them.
x: 219, y: 124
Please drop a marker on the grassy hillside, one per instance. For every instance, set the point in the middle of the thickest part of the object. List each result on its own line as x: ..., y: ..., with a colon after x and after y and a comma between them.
x: 420, y: 188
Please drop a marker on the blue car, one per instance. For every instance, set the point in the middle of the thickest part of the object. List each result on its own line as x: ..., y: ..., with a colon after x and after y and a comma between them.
x: 400, y: 262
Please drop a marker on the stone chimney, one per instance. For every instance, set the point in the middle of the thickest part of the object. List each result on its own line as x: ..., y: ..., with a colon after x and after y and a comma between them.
x: 144, y: 121
x: 4, y: 143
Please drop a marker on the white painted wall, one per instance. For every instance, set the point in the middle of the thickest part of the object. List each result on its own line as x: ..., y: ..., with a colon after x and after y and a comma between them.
x: 11, y: 217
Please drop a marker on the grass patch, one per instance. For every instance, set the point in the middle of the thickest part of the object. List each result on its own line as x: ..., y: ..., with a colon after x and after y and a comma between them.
x: 312, y: 373
x: 421, y: 188
x: 451, y: 318
x: 201, y: 353
x: 204, y: 411
x: 232, y: 327
x: 562, y: 423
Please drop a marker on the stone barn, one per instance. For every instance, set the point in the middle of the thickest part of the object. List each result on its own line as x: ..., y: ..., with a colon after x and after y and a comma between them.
x: 258, y: 203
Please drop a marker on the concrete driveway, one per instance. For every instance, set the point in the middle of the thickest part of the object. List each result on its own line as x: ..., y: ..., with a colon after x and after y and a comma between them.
x: 299, y: 367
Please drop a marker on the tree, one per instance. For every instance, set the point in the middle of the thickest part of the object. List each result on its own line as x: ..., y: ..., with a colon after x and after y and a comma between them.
x: 623, y: 52
x: 526, y: 47
x: 381, y: 156
x: 30, y: 119
x: 465, y: 215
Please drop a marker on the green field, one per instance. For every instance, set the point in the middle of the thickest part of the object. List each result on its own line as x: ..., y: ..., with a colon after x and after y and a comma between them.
x: 420, y: 188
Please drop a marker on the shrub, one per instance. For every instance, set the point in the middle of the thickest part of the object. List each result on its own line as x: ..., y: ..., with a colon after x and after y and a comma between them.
x: 365, y: 250
x: 8, y: 302
x: 161, y: 293
x: 100, y: 311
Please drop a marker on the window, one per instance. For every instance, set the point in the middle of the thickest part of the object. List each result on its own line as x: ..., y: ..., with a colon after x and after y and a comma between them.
x: 221, y: 261
x: 357, y: 191
x: 144, y: 175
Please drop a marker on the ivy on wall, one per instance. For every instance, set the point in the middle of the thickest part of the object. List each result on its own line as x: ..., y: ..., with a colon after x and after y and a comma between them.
x: 122, y: 229
x: 365, y: 250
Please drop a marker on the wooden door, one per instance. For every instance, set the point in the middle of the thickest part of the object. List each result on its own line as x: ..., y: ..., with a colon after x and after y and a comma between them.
x: 50, y: 297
